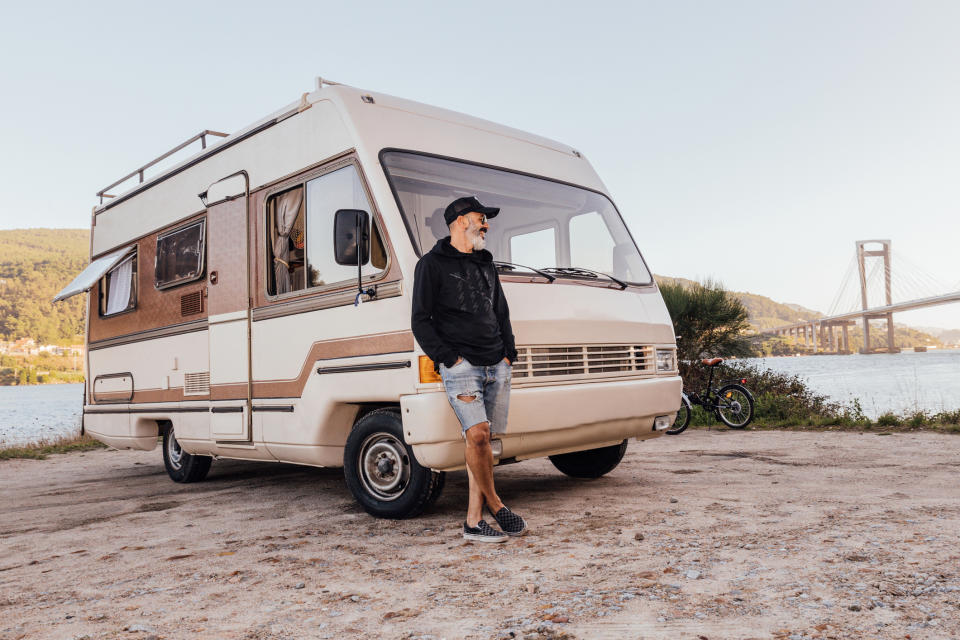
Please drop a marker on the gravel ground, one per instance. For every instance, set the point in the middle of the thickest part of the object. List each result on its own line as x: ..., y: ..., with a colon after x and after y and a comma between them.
x: 710, y: 534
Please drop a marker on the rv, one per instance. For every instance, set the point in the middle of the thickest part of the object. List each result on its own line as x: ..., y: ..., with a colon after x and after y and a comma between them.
x: 253, y: 301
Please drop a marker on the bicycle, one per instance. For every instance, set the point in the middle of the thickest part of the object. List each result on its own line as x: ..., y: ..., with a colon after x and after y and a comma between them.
x: 733, y: 405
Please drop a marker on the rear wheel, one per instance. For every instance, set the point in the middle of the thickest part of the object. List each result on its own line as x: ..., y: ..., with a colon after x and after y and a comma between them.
x: 180, y: 465
x: 683, y: 417
x: 382, y: 472
x: 735, y: 406
x: 592, y: 463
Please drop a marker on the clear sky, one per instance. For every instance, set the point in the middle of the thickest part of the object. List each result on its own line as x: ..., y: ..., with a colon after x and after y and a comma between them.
x: 748, y: 141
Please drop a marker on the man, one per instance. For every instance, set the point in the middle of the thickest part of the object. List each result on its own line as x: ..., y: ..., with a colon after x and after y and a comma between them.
x: 461, y: 319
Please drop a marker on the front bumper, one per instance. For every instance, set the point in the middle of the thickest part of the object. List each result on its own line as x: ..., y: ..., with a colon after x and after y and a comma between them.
x: 546, y: 420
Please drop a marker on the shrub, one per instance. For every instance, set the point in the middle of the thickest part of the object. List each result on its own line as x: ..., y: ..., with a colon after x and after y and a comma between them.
x: 947, y: 417
x: 889, y: 419
x: 708, y: 320
x: 917, y: 419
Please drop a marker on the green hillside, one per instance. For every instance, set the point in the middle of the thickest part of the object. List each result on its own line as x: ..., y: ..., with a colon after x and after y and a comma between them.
x: 765, y: 313
x: 34, y: 265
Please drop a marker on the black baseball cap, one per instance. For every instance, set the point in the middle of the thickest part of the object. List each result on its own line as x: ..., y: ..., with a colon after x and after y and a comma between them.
x: 463, y: 206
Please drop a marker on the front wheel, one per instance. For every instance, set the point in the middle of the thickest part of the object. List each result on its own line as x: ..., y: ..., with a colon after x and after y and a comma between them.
x: 735, y: 406
x: 683, y: 417
x: 382, y: 472
x: 592, y: 463
x: 180, y: 465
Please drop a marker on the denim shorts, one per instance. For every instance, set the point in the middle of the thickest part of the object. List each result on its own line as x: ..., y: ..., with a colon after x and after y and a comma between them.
x: 490, y: 386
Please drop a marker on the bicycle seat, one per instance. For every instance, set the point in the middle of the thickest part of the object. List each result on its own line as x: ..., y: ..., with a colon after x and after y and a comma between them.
x: 712, y: 362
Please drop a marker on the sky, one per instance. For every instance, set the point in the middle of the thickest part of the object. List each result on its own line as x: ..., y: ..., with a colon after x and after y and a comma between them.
x: 751, y: 142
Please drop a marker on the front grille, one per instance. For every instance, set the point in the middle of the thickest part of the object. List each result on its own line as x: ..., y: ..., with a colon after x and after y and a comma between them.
x: 197, y: 383
x: 581, y: 361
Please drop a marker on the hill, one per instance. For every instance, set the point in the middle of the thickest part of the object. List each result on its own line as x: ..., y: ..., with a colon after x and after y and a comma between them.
x: 766, y: 313
x: 34, y: 265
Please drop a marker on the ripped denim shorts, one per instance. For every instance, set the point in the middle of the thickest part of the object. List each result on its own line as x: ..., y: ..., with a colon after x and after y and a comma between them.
x: 487, y: 393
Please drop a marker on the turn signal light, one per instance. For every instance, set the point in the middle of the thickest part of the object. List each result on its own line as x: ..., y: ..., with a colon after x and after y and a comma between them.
x: 427, y: 373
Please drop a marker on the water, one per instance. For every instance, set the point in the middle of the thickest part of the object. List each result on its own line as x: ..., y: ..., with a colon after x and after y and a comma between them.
x: 898, y: 382
x: 37, y: 412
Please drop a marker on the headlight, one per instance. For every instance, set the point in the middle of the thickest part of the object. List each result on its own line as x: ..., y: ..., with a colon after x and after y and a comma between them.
x: 666, y: 360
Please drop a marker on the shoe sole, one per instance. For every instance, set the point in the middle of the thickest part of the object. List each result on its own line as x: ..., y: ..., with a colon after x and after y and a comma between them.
x: 476, y: 537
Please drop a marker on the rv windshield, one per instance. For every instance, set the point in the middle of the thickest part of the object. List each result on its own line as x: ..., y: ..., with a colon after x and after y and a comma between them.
x: 542, y: 224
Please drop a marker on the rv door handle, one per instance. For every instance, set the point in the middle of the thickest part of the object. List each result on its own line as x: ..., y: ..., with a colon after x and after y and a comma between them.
x: 213, y: 277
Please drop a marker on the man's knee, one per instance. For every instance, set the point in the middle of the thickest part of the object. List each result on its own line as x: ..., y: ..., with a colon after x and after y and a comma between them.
x: 478, y: 434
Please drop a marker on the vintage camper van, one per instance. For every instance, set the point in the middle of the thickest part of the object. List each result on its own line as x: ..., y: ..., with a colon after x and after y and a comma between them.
x: 253, y: 301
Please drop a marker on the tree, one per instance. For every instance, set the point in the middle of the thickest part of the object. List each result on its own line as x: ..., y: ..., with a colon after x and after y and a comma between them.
x: 708, y: 320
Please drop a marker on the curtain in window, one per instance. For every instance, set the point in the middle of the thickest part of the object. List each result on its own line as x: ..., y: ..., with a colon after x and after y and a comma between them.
x: 288, y: 205
x: 118, y: 293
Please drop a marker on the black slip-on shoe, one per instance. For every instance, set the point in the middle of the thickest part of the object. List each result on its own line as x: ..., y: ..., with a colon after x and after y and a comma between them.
x: 509, y: 522
x: 483, y: 533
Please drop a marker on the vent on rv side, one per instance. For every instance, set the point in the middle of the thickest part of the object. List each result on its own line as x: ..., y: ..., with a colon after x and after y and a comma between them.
x: 196, y: 384
x: 191, y: 303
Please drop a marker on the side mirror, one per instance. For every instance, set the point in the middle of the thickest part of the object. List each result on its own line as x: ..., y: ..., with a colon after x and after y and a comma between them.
x: 351, y: 237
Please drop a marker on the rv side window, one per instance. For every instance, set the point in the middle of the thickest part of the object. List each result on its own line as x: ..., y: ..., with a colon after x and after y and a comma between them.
x: 180, y: 255
x: 118, y: 288
x: 300, y: 221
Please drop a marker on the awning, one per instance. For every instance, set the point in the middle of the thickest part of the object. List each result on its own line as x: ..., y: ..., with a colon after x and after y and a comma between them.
x: 94, y: 271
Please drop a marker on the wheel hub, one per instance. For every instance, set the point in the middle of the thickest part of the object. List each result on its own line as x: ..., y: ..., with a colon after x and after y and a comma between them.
x: 384, y: 466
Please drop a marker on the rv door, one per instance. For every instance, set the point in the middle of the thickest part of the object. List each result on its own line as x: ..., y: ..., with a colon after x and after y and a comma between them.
x: 228, y: 300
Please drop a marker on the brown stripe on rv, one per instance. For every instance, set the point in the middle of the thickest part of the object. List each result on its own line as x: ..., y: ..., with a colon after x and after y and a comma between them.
x: 370, y: 345
x: 396, y: 342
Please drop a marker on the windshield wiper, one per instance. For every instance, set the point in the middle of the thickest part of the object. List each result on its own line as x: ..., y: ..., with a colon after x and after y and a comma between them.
x: 585, y: 273
x: 510, y: 266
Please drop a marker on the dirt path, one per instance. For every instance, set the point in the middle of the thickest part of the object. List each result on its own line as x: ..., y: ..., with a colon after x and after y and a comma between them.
x: 706, y: 535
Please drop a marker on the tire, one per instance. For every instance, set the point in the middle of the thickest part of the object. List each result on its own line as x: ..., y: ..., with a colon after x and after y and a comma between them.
x: 592, y: 463
x: 683, y: 417
x: 736, y: 406
x: 180, y: 465
x: 382, y: 472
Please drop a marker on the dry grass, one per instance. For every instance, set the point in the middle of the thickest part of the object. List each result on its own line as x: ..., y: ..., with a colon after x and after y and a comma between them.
x: 40, y: 450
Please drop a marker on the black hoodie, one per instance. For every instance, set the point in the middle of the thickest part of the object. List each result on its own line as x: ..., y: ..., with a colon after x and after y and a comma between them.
x: 459, y: 309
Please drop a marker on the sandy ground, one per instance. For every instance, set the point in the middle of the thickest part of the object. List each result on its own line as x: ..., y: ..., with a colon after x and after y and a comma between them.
x: 710, y: 534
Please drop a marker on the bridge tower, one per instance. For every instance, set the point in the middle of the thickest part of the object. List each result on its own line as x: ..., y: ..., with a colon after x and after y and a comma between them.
x: 862, y: 254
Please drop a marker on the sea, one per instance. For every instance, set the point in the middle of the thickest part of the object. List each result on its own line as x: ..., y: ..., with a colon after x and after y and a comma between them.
x: 881, y: 382
x: 39, y: 412
x: 898, y: 382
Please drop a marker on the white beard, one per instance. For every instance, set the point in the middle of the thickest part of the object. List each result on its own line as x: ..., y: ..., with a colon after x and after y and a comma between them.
x: 475, y: 237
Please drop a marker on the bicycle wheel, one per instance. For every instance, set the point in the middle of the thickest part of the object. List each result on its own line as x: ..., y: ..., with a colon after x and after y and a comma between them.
x: 735, y: 406
x: 683, y: 417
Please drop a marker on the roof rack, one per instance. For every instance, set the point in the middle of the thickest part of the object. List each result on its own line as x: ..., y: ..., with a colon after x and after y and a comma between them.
x: 202, y: 137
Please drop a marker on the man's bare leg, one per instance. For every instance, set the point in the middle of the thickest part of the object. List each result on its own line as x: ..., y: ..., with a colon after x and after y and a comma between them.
x: 479, y: 458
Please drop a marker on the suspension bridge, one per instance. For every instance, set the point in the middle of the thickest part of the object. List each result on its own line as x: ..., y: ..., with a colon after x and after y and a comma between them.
x: 913, y: 288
